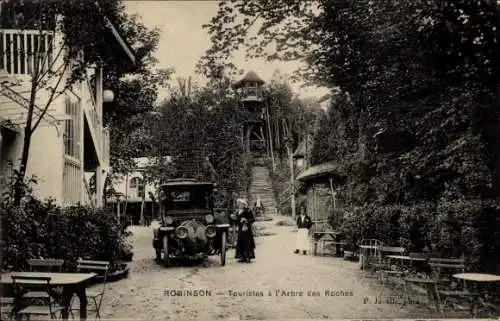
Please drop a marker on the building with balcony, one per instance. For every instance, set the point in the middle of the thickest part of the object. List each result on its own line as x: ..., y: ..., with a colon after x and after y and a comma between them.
x: 71, y: 143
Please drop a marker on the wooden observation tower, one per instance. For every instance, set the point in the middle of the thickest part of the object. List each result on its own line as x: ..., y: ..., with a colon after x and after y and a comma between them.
x: 255, y: 135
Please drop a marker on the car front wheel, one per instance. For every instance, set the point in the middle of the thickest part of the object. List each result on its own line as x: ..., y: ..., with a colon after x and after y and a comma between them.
x: 223, y: 248
x: 166, y: 259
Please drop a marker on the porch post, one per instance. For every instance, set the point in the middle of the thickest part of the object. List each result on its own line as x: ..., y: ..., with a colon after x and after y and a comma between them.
x: 99, y: 91
x: 98, y: 186
x: 99, y: 131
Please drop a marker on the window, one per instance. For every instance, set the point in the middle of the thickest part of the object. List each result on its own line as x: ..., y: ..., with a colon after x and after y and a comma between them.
x: 192, y: 199
x: 72, y: 129
x: 140, y: 190
x: 134, y: 182
x: 138, y: 183
x: 181, y: 196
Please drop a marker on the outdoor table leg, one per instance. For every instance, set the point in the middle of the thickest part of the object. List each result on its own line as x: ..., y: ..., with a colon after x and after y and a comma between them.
x: 68, y: 292
x: 338, y: 251
x: 433, y: 295
x: 17, y: 306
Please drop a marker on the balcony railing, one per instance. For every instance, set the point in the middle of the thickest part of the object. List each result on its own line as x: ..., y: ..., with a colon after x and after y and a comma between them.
x: 101, y: 134
x: 18, y: 48
x: 251, y: 93
x: 93, y: 119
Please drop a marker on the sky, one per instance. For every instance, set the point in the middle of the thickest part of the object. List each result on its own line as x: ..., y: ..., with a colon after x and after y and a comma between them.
x: 183, y: 41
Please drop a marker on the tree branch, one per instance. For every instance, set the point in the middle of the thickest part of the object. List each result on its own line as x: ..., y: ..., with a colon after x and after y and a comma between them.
x: 54, y: 60
x: 51, y: 98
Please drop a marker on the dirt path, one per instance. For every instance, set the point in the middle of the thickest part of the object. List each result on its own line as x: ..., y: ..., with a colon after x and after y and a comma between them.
x: 268, y: 288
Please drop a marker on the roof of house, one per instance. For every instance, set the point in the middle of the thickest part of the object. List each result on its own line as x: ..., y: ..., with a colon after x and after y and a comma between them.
x: 301, y: 150
x: 122, y: 42
x: 142, y: 162
x: 127, y: 49
x: 320, y: 171
x: 186, y: 182
x: 249, y: 77
x: 325, y: 97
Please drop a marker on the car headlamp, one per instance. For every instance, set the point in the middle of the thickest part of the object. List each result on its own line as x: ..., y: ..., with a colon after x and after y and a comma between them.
x: 209, y: 218
x: 181, y: 232
x: 210, y: 231
x: 169, y: 220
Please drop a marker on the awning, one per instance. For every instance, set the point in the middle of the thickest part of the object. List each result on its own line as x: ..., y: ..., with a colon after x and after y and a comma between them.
x: 325, y: 170
x: 6, y: 124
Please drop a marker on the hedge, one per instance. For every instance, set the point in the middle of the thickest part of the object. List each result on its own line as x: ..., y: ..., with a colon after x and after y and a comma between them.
x: 447, y: 229
x: 41, y: 229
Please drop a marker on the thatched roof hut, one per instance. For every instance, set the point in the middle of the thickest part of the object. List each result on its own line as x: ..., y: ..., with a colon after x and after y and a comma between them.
x: 250, y: 77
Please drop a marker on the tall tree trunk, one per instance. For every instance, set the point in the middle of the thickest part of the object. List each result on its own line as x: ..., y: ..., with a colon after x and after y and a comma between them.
x: 28, y: 132
x: 26, y: 144
x: 270, y: 138
x: 494, y: 131
x: 292, y: 178
x: 497, y: 78
x: 277, y: 134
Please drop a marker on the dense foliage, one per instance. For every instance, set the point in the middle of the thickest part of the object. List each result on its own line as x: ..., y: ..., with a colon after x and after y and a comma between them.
x: 449, y: 229
x: 136, y: 92
x: 415, y: 126
x: 41, y: 229
x: 196, y: 124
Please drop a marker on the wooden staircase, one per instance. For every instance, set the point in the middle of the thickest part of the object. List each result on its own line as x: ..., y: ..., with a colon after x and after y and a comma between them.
x: 261, y: 187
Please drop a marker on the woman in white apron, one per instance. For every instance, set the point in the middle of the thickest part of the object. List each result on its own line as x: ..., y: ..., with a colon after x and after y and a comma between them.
x: 304, y: 223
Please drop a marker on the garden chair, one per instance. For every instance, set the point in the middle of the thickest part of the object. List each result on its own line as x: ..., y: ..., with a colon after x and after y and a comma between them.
x: 6, y: 308
x: 50, y: 308
x: 450, y: 291
x: 383, y: 267
x: 369, y: 254
x: 44, y: 265
x: 96, y: 296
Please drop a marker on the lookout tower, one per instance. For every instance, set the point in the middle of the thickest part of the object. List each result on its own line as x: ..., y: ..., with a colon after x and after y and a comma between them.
x: 249, y: 90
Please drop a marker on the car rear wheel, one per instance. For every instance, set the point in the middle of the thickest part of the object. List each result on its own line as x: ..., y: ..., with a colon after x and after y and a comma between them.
x: 223, y: 242
x: 166, y: 259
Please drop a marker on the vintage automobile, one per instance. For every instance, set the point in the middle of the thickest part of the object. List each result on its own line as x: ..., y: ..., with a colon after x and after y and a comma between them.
x: 189, y: 227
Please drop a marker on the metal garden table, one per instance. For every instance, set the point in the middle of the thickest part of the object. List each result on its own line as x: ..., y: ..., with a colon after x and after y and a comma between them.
x: 72, y: 283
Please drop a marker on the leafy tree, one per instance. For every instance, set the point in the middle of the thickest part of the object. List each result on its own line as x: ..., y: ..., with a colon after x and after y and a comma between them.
x: 396, y: 61
x: 137, y: 89
x: 418, y: 136
x: 203, y: 123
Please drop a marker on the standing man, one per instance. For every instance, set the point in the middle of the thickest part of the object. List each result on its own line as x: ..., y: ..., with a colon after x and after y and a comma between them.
x: 304, y: 223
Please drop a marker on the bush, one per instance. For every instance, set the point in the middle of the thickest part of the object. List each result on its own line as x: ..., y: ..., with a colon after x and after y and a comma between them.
x: 471, y: 228
x: 448, y: 229
x: 370, y: 222
x: 37, y: 229
x: 280, y: 180
x: 417, y: 223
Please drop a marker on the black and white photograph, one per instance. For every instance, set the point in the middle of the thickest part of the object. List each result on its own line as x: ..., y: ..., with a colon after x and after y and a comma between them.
x: 249, y: 159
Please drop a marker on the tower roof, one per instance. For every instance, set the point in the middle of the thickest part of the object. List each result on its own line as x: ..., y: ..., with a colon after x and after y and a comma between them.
x: 249, y: 77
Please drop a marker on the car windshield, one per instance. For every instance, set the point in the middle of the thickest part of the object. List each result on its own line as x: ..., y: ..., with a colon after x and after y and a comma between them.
x: 188, y: 198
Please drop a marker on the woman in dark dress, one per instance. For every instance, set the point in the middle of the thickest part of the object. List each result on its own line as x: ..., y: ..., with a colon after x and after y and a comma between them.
x: 245, y: 244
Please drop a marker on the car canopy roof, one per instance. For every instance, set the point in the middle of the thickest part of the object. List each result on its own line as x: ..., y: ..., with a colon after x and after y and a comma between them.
x: 185, y: 182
